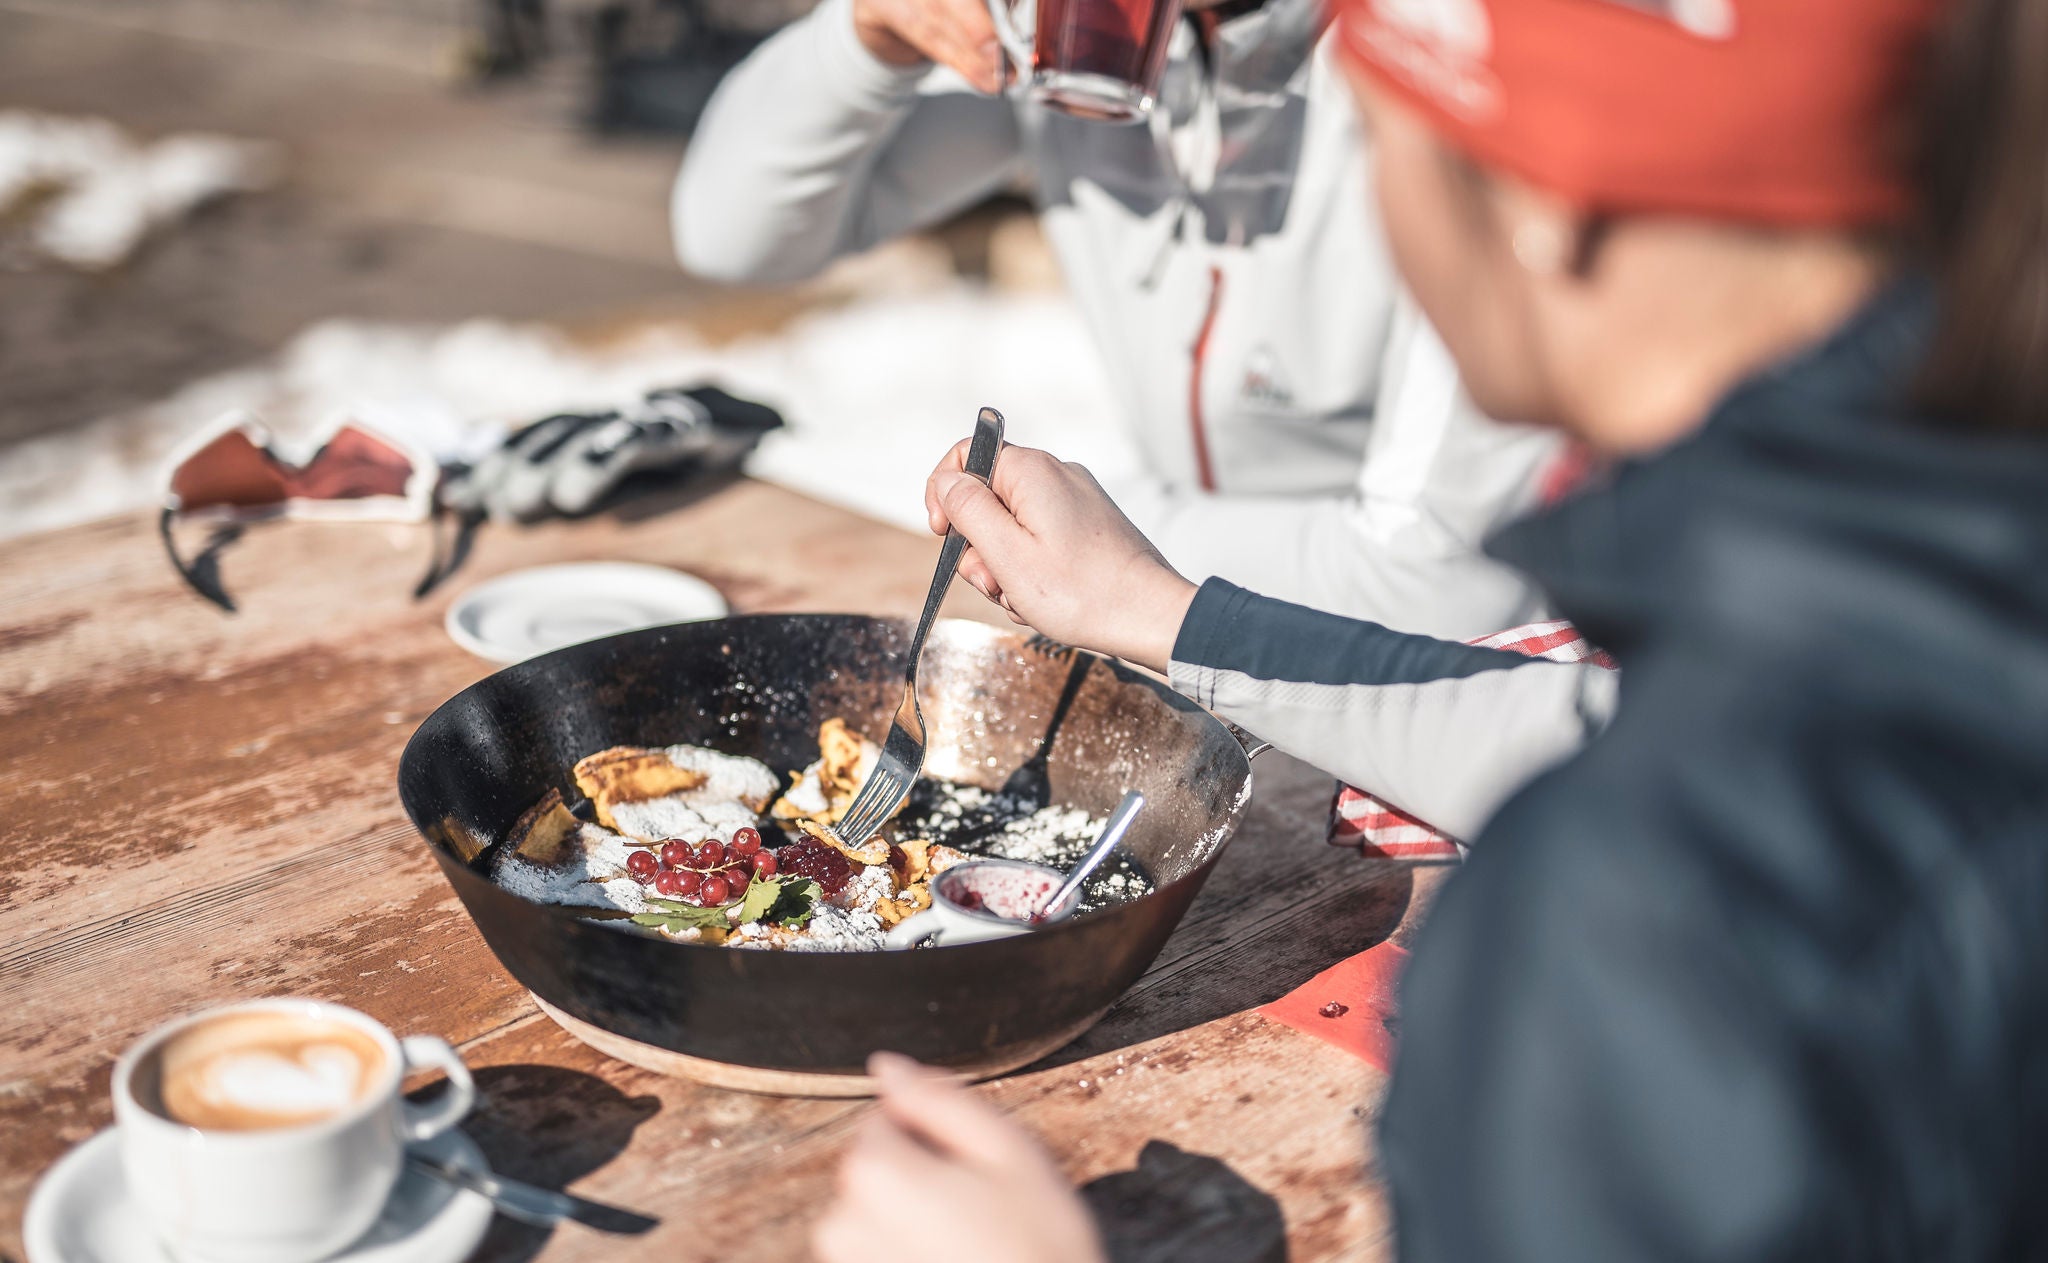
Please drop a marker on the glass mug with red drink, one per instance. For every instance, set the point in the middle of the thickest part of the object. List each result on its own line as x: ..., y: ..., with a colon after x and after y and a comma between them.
x: 1098, y: 59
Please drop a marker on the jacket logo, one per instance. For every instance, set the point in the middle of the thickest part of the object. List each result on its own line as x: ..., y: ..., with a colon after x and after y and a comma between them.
x: 1440, y: 47
x: 1263, y: 384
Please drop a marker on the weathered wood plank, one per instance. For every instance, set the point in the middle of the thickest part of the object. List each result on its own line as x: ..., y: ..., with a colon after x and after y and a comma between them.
x: 1287, y: 1114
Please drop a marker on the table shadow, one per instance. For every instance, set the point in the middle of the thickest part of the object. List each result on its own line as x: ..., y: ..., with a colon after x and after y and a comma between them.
x: 549, y: 1126
x: 1230, y: 976
x: 1180, y: 1207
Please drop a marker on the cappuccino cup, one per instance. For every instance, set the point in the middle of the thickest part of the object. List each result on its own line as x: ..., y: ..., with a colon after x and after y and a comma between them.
x: 273, y: 1131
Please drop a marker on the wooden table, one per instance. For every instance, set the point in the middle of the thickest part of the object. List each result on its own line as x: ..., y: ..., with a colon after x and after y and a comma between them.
x: 201, y: 808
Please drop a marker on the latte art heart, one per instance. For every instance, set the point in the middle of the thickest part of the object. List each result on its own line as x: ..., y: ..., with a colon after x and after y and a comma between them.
x: 250, y: 1071
x: 320, y: 1080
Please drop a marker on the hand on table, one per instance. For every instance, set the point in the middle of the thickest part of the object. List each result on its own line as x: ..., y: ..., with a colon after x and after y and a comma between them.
x: 985, y: 1190
x: 1050, y: 547
x: 954, y: 33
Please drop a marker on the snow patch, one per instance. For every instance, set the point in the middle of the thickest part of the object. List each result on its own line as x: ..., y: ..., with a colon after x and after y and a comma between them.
x: 108, y: 191
x: 874, y: 391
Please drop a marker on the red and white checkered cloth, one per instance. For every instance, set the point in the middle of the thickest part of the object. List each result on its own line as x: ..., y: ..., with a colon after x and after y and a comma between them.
x: 1379, y: 831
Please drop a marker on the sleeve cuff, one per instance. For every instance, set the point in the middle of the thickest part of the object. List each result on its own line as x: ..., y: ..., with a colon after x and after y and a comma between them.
x: 852, y: 69
x: 1231, y: 631
x: 1207, y: 628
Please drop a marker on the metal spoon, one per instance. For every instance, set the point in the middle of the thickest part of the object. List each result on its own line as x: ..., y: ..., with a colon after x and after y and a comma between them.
x: 543, y: 1208
x: 1112, y: 833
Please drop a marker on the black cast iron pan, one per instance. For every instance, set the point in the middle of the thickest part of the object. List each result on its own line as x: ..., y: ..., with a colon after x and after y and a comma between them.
x: 760, y: 686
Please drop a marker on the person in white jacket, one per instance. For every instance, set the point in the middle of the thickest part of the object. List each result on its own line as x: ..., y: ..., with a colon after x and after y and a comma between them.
x: 1307, y: 433
x: 1225, y: 255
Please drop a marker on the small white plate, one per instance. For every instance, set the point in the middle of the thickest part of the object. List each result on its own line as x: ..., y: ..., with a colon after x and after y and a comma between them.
x: 516, y: 616
x: 80, y: 1212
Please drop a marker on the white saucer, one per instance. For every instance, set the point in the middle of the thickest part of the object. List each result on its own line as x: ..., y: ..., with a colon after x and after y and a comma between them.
x: 80, y: 1212
x: 515, y: 616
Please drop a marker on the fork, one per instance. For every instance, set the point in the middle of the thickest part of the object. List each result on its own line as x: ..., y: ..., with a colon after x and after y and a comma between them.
x: 888, y: 786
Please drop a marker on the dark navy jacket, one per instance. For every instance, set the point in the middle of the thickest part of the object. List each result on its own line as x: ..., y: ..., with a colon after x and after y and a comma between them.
x: 1761, y: 972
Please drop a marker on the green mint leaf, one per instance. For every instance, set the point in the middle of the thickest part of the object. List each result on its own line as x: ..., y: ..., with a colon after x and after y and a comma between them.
x: 795, y: 900
x: 682, y: 916
x: 682, y: 909
x: 761, y: 895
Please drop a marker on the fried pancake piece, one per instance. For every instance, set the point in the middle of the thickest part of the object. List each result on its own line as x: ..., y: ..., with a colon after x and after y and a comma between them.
x: 627, y: 774
x: 871, y: 852
x: 909, y: 861
x: 727, y: 777
x: 682, y: 816
x: 542, y: 835
x: 460, y: 838
x: 844, y: 758
x: 824, y: 790
x: 914, y: 861
x: 909, y: 903
x: 804, y: 799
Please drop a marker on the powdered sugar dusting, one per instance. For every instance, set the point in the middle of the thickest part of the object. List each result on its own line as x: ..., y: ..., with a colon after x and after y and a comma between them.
x: 834, y: 929
x: 730, y: 779
x: 1010, y: 826
x: 1050, y: 835
x: 687, y: 816
x: 867, y: 887
x: 807, y: 795
x: 591, y: 875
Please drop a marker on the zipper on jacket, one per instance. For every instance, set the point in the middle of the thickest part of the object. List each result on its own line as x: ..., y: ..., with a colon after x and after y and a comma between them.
x: 1204, y: 472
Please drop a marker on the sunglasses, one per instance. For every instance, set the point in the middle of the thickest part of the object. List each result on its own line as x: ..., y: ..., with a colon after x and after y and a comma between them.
x: 231, y: 475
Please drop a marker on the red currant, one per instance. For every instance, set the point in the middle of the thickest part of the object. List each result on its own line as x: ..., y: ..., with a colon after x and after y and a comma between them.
x: 713, y: 891
x: 737, y: 879
x: 641, y: 865
x: 668, y: 882
x: 711, y: 854
x: 745, y: 840
x: 764, y: 863
x: 676, y: 854
x: 688, y: 880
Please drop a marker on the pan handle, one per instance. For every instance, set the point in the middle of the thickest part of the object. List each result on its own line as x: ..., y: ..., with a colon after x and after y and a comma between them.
x: 1253, y: 746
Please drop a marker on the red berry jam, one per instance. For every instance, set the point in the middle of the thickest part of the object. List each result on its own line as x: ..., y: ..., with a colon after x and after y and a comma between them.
x: 808, y: 857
